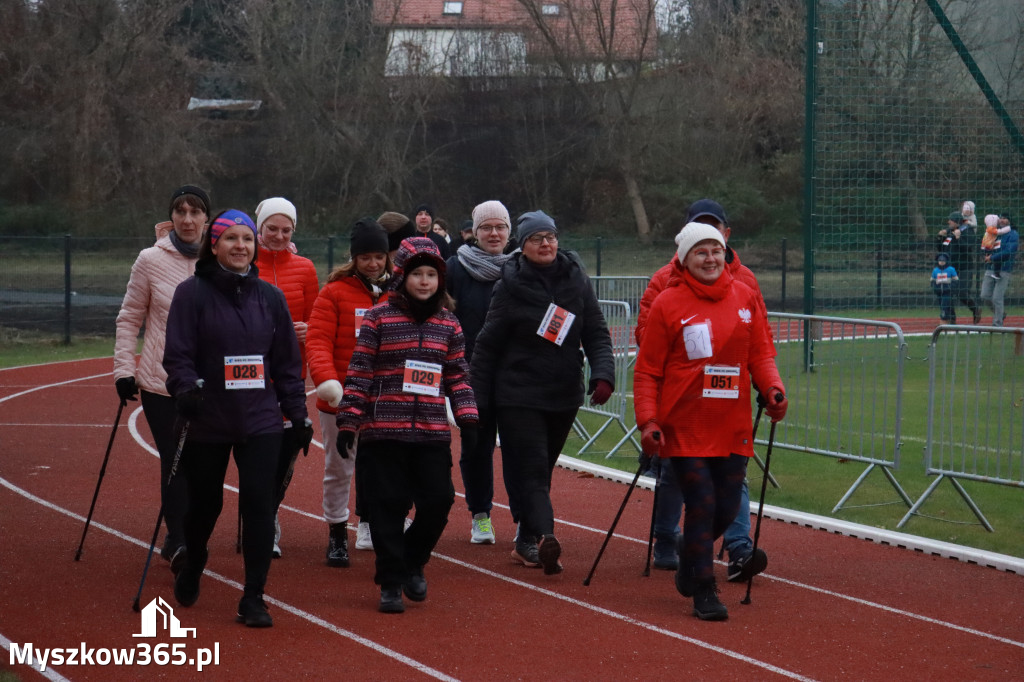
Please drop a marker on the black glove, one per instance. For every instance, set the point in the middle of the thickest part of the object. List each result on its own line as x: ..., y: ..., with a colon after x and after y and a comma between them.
x: 127, y: 389
x: 188, y: 402
x: 346, y: 439
x: 305, y: 436
x: 298, y: 437
x: 470, y: 438
x: 762, y: 401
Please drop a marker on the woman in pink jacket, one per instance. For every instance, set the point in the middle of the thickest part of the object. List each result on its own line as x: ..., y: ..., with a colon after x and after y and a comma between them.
x: 280, y: 264
x: 706, y: 337
x: 155, y: 275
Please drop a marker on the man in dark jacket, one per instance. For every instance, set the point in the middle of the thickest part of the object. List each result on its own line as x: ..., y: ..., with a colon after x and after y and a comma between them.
x: 993, y: 289
x: 961, y: 243
x: 423, y: 219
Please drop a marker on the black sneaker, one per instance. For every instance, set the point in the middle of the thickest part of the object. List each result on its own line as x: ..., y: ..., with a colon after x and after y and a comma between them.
x: 391, y: 600
x: 186, y: 582
x: 526, y: 554
x: 337, y: 546
x: 253, y: 612
x: 666, y: 557
x: 745, y: 567
x: 178, y: 560
x: 548, y: 552
x: 416, y: 587
x: 977, y: 314
x: 706, y: 604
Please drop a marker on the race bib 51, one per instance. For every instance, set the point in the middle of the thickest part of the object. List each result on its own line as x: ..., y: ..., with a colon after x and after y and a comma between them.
x: 721, y: 381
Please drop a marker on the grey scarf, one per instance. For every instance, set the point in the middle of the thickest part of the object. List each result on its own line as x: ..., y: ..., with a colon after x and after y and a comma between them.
x: 481, y: 266
x: 186, y: 250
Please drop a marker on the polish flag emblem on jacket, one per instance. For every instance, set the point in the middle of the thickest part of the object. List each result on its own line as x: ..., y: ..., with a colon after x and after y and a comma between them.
x: 744, y: 315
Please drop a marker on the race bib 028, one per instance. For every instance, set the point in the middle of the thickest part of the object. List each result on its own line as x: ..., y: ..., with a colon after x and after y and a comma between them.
x: 243, y: 371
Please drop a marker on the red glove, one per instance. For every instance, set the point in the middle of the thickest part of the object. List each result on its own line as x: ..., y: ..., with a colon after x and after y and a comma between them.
x: 777, y: 404
x: 650, y: 438
x: 602, y: 391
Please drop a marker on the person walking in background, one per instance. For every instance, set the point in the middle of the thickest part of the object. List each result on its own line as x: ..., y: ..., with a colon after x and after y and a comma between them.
x: 472, y: 272
x: 995, y: 228
x: 408, y: 357
x: 943, y: 280
x: 279, y: 264
x: 744, y: 563
x: 233, y: 331
x: 351, y: 290
x: 961, y: 243
x: 527, y: 369
x: 423, y: 219
x: 706, y: 339
x: 399, y: 228
x: 993, y: 289
x: 156, y: 273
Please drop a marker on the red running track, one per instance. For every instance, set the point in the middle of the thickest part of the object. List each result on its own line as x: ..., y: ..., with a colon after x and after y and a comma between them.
x: 829, y: 607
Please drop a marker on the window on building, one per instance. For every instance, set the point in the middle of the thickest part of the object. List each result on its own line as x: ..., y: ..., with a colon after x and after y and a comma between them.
x: 451, y: 8
x: 551, y: 9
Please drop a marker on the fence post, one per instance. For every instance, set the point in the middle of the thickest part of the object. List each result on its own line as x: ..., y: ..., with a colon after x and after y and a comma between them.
x: 330, y: 254
x: 783, y: 274
x: 67, y: 290
x: 878, y: 275
x: 597, y: 248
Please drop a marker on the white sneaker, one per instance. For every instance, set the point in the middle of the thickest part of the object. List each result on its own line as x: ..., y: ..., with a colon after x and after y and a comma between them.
x: 277, y: 538
x: 408, y: 522
x: 482, y: 532
x: 363, y: 539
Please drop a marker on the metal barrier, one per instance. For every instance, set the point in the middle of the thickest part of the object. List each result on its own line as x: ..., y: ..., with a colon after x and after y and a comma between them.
x: 618, y: 317
x: 975, y: 410
x: 627, y: 289
x: 844, y: 381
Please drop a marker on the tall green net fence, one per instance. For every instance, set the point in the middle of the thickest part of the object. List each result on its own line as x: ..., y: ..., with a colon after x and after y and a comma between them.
x: 902, y: 133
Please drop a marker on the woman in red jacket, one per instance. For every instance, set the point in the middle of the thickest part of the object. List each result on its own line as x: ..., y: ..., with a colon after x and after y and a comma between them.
x: 333, y: 327
x: 279, y: 264
x: 707, y: 336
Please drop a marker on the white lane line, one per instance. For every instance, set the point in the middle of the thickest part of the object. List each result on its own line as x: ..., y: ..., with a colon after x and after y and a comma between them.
x: 49, y: 673
x: 59, y: 383
x: 379, y: 648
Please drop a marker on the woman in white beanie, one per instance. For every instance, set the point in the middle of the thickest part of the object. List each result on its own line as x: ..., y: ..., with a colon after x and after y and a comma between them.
x: 707, y: 337
x: 279, y: 264
x: 472, y: 272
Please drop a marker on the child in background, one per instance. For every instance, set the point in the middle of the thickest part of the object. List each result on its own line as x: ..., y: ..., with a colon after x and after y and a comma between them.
x: 943, y: 278
x: 408, y: 357
x: 990, y: 241
x: 967, y: 211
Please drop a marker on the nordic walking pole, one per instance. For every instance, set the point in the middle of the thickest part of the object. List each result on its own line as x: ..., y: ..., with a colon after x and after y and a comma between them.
x: 614, y: 523
x: 654, y: 513
x: 160, y: 514
x: 760, y: 505
x: 238, y: 534
x: 103, y: 470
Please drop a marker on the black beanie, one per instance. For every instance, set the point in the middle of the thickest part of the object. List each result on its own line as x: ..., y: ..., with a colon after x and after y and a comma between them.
x: 423, y: 207
x: 197, y: 192
x: 368, y: 237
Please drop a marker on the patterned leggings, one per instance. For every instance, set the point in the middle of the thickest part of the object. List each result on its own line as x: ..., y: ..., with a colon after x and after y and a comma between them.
x: 711, y: 487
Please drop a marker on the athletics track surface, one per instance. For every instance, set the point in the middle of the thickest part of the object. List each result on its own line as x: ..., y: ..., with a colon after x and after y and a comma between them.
x: 829, y: 607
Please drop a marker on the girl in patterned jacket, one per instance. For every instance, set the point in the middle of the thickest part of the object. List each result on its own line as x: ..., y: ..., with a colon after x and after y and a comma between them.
x: 409, y: 356
x: 351, y: 290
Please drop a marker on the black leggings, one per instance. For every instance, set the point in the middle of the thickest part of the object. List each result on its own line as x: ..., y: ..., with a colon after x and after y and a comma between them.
x: 204, y: 466
x: 711, y: 487
x: 161, y: 416
x: 531, y: 441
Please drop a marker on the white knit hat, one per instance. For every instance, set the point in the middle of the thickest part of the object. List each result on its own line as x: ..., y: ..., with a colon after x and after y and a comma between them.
x: 273, y: 206
x: 694, y: 233
x: 991, y: 220
x: 490, y: 210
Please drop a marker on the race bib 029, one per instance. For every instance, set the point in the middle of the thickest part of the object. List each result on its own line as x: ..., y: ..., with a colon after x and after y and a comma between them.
x: 422, y: 378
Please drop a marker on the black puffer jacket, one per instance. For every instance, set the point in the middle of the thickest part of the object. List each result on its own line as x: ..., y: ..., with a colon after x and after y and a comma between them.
x: 515, y: 367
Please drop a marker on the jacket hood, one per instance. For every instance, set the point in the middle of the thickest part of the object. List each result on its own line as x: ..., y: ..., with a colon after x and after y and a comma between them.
x: 163, y: 229
x: 412, y: 253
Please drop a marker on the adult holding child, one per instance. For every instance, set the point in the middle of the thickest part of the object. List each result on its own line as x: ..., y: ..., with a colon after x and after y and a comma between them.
x: 960, y: 241
x: 351, y: 290
x: 707, y: 337
x: 156, y: 273
x: 527, y: 369
x: 472, y: 273
x: 233, y: 331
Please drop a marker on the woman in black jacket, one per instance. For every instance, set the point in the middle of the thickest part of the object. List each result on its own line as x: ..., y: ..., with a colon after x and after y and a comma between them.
x: 528, y: 367
x: 233, y: 366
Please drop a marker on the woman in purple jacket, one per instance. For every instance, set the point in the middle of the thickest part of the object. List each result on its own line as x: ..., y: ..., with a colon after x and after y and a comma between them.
x: 233, y: 332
